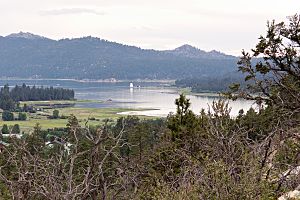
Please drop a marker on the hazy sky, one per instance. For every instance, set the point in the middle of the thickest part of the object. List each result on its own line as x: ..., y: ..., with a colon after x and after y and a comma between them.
x: 225, y: 25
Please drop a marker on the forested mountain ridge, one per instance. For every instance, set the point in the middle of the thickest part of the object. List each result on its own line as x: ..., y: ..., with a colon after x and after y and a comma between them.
x: 28, y: 55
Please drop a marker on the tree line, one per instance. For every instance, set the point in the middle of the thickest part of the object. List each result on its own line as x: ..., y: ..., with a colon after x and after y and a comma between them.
x: 10, y: 97
x: 27, y: 93
x: 209, y: 84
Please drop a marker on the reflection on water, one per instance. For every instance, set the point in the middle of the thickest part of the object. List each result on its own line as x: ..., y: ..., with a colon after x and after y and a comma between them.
x: 153, y: 97
x: 156, y: 101
x: 164, y: 103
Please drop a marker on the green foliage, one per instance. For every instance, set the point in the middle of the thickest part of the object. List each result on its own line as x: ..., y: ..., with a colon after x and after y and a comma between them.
x: 234, y: 87
x: 211, y: 83
x: 4, y: 192
x: 9, y: 99
x: 183, y: 118
x: 27, y: 93
x: 73, y: 123
x: 6, y: 102
x: 15, y: 129
x: 139, y: 136
x: 22, y: 116
x: 55, y: 114
x: 288, y: 153
x: 5, y: 129
x: 259, y: 124
x: 35, y: 140
x: 274, y: 79
x: 7, y: 116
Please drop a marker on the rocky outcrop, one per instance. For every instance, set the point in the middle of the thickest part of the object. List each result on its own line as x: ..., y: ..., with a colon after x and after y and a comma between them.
x: 292, y: 195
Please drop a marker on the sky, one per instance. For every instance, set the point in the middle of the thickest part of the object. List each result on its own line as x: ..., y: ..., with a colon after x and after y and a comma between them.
x: 224, y: 25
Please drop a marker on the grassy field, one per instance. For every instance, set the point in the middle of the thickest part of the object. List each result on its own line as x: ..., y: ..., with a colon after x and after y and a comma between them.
x: 82, y: 114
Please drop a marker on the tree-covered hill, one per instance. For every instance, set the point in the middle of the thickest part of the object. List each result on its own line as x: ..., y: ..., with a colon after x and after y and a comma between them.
x: 28, y: 55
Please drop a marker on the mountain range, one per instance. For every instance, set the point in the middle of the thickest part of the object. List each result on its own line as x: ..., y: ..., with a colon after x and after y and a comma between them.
x: 27, y: 55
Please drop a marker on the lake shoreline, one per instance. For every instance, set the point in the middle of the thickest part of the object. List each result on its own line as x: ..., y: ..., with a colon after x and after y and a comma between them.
x: 150, y: 99
x: 111, y: 80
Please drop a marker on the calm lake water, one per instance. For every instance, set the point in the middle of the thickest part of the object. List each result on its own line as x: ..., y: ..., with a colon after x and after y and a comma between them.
x: 155, y: 98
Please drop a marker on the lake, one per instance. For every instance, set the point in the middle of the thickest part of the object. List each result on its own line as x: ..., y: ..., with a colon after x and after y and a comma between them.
x: 151, y: 98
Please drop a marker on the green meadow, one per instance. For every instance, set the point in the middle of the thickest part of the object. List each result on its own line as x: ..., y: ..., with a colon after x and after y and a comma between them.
x: 86, y: 116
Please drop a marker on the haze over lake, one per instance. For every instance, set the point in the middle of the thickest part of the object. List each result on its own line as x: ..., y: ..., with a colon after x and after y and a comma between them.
x: 153, y: 99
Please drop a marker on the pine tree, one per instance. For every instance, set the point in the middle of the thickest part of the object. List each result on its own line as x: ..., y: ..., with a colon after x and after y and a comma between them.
x: 16, y: 129
x: 5, y: 129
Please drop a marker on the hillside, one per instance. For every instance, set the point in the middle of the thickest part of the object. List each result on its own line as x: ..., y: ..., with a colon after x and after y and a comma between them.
x: 28, y: 55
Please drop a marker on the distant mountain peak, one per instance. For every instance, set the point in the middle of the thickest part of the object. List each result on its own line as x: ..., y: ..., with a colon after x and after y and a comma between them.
x: 186, y: 46
x: 28, y: 55
x: 187, y: 50
x: 190, y: 51
x: 25, y: 35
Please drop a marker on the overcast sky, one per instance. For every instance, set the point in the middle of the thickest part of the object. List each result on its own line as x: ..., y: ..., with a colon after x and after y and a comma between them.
x: 224, y: 25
